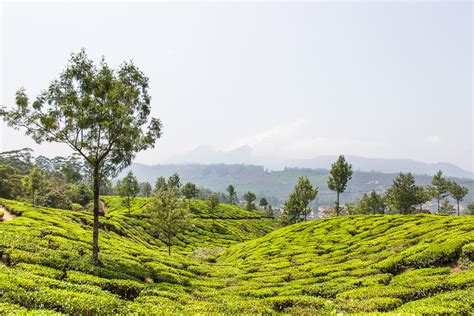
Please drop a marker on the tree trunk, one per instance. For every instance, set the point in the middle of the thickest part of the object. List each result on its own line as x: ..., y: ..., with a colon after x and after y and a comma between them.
x: 34, y: 204
x: 438, y: 205
x: 458, y: 208
x: 337, y: 204
x: 95, y: 232
x: 169, y: 245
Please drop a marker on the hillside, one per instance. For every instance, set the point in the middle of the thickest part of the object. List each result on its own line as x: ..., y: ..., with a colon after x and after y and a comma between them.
x: 277, y: 185
x: 358, y: 263
x: 246, y: 154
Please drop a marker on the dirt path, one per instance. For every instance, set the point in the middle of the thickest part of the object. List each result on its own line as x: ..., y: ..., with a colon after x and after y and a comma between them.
x: 7, y: 216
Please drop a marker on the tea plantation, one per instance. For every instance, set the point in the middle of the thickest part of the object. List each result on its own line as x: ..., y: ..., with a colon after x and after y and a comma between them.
x: 238, y: 263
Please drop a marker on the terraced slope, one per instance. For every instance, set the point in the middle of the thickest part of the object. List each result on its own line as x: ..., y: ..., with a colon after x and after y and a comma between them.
x: 48, y: 253
x: 362, y: 263
x: 419, y: 263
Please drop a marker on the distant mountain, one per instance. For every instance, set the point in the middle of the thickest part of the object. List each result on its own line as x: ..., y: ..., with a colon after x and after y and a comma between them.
x: 275, y: 185
x: 246, y: 155
x: 386, y: 165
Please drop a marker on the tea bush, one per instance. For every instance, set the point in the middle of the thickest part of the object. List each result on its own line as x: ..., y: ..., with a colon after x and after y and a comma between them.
x: 235, y: 263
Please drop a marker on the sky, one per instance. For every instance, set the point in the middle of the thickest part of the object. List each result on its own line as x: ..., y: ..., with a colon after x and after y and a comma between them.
x: 290, y: 79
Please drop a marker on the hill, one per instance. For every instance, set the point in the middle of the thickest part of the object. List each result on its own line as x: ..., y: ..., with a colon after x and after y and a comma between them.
x: 245, y: 154
x: 277, y: 185
x: 358, y: 263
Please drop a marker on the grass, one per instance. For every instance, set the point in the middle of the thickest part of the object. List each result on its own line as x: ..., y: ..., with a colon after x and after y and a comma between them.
x: 236, y: 263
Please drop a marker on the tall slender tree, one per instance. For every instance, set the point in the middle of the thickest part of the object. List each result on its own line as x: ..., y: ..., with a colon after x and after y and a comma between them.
x: 167, y: 214
x: 35, y: 181
x: 263, y: 203
x: 146, y: 189
x: 160, y: 184
x: 129, y: 188
x: 439, y: 187
x: 190, y: 191
x: 339, y: 176
x: 232, y: 194
x: 458, y: 193
x: 249, y: 197
x: 99, y: 112
x: 213, y: 201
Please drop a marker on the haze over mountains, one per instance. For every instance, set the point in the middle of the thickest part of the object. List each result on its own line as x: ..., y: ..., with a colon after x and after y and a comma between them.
x: 246, y: 155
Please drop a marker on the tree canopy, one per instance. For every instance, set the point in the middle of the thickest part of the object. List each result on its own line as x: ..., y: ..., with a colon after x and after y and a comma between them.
x: 339, y: 176
x: 100, y: 113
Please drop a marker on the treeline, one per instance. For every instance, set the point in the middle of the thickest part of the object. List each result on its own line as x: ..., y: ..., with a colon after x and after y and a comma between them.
x: 403, y: 197
x: 58, y: 182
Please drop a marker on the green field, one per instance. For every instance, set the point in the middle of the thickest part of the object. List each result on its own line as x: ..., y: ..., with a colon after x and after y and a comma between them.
x: 235, y: 264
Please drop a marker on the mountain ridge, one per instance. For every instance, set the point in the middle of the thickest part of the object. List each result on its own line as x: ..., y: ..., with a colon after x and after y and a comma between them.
x: 246, y: 154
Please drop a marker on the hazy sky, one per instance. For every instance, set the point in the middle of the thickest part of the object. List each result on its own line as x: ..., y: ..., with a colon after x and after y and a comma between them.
x: 294, y: 80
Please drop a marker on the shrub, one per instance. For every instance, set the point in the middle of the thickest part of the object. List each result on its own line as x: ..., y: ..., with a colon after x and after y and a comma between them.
x: 375, y: 304
x: 281, y: 303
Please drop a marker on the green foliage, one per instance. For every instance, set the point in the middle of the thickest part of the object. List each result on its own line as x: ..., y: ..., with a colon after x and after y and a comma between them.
x: 168, y: 215
x: 439, y: 187
x: 174, y: 182
x: 403, y: 195
x: 213, y: 200
x: 35, y: 181
x: 100, y: 113
x: 339, y: 175
x: 160, y: 184
x: 470, y: 209
x: 457, y: 192
x: 190, y: 191
x: 377, y: 263
x: 372, y: 203
x: 446, y: 208
x: 232, y: 194
x: 146, y: 189
x: 249, y: 197
x: 296, y: 206
x: 10, y: 182
x: 129, y: 188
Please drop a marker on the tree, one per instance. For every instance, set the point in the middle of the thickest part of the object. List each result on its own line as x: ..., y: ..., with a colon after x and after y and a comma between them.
x: 297, y: 205
x: 100, y: 113
x: 146, y: 189
x: 269, y: 211
x: 81, y: 193
x: 372, y: 203
x: 167, y: 214
x: 339, y: 176
x: 470, y: 209
x: 446, y: 208
x: 232, y: 194
x: 293, y: 209
x: 457, y: 192
x: 174, y: 182
x: 160, y: 184
x: 35, y: 181
x: 72, y: 169
x: 439, y: 187
x: 403, y: 195
x: 54, y: 193
x: 213, y: 201
x: 10, y: 182
x: 249, y: 197
x: 263, y: 203
x: 423, y: 195
x: 129, y: 188
x: 190, y: 191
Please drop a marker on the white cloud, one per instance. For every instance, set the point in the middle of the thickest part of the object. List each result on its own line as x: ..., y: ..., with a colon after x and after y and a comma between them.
x: 297, y: 139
